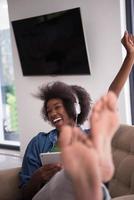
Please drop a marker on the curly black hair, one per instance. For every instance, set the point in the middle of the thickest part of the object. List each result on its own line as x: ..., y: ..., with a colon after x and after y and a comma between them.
x: 67, y: 93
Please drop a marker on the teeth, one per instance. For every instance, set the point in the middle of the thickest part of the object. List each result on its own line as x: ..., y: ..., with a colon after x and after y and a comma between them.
x: 55, y: 120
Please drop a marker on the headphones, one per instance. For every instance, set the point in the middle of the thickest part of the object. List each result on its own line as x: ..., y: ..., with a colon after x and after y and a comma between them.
x: 77, y: 106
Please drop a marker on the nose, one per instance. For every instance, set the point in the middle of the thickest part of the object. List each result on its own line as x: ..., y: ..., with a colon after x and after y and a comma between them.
x: 53, y: 113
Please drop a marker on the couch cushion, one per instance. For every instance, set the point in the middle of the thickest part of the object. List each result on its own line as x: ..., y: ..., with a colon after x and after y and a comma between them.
x: 123, y: 156
x: 9, y: 182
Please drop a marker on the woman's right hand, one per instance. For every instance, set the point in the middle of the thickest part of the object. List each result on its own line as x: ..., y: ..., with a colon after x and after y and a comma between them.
x: 48, y: 171
x: 39, y: 178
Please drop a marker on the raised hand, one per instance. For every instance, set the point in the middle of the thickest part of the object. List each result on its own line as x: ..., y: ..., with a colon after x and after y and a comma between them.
x: 128, y: 42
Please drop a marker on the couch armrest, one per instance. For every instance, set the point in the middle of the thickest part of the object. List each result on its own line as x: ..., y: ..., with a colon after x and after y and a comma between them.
x: 9, y: 182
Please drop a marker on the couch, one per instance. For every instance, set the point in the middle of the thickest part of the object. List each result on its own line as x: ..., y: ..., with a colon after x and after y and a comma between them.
x: 121, y: 187
x: 9, y: 182
x: 122, y: 182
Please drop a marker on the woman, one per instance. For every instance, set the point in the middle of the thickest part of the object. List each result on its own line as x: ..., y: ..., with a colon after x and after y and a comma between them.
x: 59, y: 109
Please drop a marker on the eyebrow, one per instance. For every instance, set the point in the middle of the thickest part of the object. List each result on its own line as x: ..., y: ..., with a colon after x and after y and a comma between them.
x: 55, y: 104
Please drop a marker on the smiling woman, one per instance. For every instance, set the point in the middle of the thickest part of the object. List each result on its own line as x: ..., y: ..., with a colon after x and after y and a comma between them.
x: 59, y: 108
x: 60, y: 101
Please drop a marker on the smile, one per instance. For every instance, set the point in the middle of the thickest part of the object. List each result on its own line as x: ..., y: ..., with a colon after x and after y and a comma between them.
x: 57, y: 119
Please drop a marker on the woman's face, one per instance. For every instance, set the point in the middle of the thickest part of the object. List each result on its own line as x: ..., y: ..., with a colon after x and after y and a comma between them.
x: 57, y: 114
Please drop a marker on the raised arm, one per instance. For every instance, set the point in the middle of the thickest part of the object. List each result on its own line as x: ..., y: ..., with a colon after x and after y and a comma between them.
x: 120, y: 79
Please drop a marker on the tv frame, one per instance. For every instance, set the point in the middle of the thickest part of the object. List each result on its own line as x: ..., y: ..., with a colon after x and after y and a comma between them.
x: 55, y: 70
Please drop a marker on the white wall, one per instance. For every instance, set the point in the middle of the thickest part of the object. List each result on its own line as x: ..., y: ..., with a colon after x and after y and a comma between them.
x: 102, y: 28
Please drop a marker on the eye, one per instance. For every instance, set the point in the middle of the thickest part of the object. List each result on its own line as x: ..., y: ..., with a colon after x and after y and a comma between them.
x: 58, y: 106
x: 49, y: 111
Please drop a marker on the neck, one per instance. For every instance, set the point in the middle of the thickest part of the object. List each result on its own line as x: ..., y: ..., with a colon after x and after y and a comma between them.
x: 72, y: 124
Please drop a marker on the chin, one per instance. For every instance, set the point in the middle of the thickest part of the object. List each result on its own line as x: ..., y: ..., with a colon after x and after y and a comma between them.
x: 59, y: 127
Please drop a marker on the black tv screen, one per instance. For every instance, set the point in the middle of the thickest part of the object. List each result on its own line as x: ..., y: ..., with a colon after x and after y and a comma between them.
x: 52, y: 44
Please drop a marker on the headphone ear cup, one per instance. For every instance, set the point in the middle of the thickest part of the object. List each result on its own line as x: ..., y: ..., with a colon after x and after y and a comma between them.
x: 77, y: 108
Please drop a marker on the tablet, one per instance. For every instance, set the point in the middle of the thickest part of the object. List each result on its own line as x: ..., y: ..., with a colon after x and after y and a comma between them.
x: 50, y: 157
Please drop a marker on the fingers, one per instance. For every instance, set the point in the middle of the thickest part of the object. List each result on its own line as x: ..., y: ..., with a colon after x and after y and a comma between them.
x: 128, y: 39
x: 49, y: 175
x: 51, y: 166
x: 131, y: 39
x: 48, y: 171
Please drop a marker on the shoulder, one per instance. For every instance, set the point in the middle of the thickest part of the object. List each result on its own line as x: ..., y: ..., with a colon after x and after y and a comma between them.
x: 42, y: 140
x: 43, y: 135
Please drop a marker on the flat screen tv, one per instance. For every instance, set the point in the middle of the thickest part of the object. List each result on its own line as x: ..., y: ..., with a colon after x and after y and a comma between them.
x: 52, y: 44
